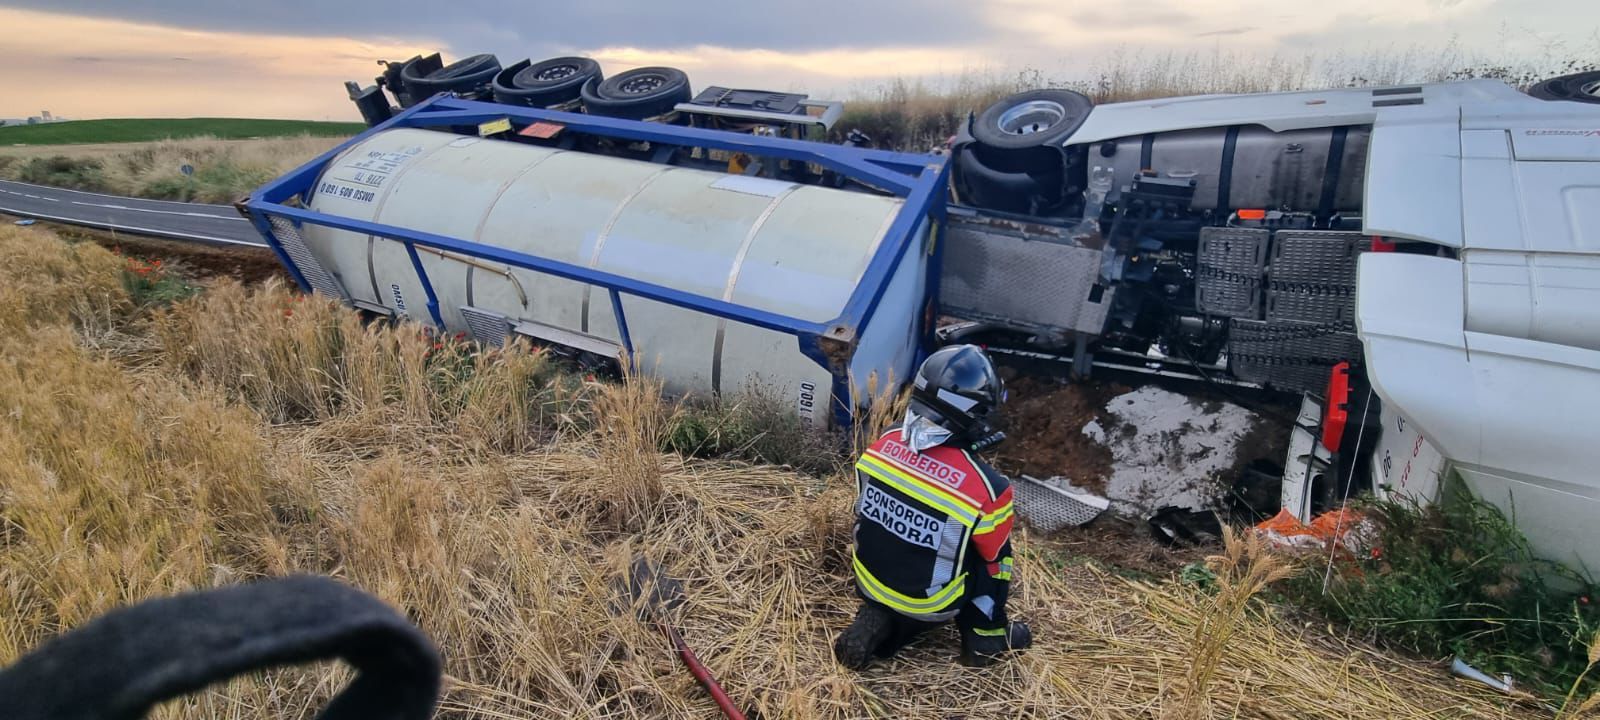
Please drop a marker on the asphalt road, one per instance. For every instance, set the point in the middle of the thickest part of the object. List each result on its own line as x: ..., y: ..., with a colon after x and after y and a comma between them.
x: 214, y: 224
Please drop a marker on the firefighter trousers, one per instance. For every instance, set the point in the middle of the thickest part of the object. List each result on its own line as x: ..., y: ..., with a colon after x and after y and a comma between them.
x: 981, y: 620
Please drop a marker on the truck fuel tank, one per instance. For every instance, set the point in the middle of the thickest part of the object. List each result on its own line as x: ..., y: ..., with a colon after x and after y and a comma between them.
x: 1318, y: 169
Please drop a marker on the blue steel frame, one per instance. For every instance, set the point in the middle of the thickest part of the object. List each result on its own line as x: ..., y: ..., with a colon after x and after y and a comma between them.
x: 919, y: 179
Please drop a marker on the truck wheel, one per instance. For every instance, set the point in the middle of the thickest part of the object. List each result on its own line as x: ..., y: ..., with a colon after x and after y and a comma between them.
x: 394, y: 76
x: 637, y: 94
x: 1022, y: 133
x: 467, y: 76
x: 545, y: 83
x: 994, y: 189
x: 1581, y: 87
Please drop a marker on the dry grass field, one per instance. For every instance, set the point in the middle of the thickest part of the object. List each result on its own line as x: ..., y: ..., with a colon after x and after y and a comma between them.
x: 248, y: 432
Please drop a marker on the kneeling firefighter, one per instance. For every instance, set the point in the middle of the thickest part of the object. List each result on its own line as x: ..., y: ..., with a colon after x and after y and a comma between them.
x: 933, y: 523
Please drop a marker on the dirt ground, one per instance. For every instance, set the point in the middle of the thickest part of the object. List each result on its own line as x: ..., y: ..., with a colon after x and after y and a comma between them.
x: 1044, y: 421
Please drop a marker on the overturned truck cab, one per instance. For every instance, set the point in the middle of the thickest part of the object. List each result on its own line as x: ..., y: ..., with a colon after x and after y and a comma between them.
x: 1422, y: 262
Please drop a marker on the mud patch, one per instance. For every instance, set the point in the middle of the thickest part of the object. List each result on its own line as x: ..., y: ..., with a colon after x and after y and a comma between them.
x: 1143, y: 448
x: 1044, y: 420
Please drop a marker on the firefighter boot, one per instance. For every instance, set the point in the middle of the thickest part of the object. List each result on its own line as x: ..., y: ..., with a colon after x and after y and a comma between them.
x: 872, y: 626
x: 980, y: 650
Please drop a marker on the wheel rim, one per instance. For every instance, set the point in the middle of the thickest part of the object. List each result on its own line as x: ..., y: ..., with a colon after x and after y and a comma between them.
x: 558, y: 72
x: 1034, y: 116
x: 641, y: 85
x: 1590, y: 89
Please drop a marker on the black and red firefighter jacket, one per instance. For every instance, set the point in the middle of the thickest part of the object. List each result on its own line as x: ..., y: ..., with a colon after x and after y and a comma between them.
x: 932, y: 534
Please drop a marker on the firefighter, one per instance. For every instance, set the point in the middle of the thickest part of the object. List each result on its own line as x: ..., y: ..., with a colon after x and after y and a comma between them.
x: 933, y: 522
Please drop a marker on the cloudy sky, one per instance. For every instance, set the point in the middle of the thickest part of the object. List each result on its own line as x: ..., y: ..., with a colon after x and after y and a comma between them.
x: 287, y: 58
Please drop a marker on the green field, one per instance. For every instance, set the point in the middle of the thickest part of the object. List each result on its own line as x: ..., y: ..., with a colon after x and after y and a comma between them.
x: 144, y: 130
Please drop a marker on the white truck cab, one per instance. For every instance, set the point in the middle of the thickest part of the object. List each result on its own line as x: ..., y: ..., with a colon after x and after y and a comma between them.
x: 1439, y: 241
x: 1491, y: 349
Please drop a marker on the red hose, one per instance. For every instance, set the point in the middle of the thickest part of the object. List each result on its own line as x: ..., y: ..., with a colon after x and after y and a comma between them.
x: 704, y: 676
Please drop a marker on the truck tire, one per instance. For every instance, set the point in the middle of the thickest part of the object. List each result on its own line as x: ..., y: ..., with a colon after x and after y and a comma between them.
x: 394, y: 76
x: 470, y: 76
x: 637, y: 94
x: 545, y: 83
x: 1023, y: 132
x: 1583, y: 87
x: 990, y: 188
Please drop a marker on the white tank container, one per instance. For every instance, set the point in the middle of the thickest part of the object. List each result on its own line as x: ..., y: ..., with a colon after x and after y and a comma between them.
x: 781, y: 247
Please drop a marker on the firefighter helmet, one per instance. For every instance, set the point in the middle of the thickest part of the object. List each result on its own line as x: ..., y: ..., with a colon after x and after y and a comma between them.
x: 958, y: 389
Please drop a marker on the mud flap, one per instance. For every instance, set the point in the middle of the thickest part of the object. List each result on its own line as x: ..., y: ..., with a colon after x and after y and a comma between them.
x: 1307, y: 464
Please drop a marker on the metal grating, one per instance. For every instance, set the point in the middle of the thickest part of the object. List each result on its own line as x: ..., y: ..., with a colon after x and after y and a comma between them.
x: 1048, y: 508
x: 1231, y: 262
x: 1322, y: 305
x: 1022, y: 275
x: 489, y: 328
x: 311, y: 269
x: 568, y: 338
x: 1322, y: 257
x: 1288, y: 354
x: 1312, y: 276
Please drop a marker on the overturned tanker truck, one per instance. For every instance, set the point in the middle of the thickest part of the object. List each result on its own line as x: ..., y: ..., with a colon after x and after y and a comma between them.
x: 1421, y: 263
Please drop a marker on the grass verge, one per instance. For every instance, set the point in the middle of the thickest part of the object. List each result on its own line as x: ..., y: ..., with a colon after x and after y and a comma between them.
x: 224, y: 170
x: 1458, y: 579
